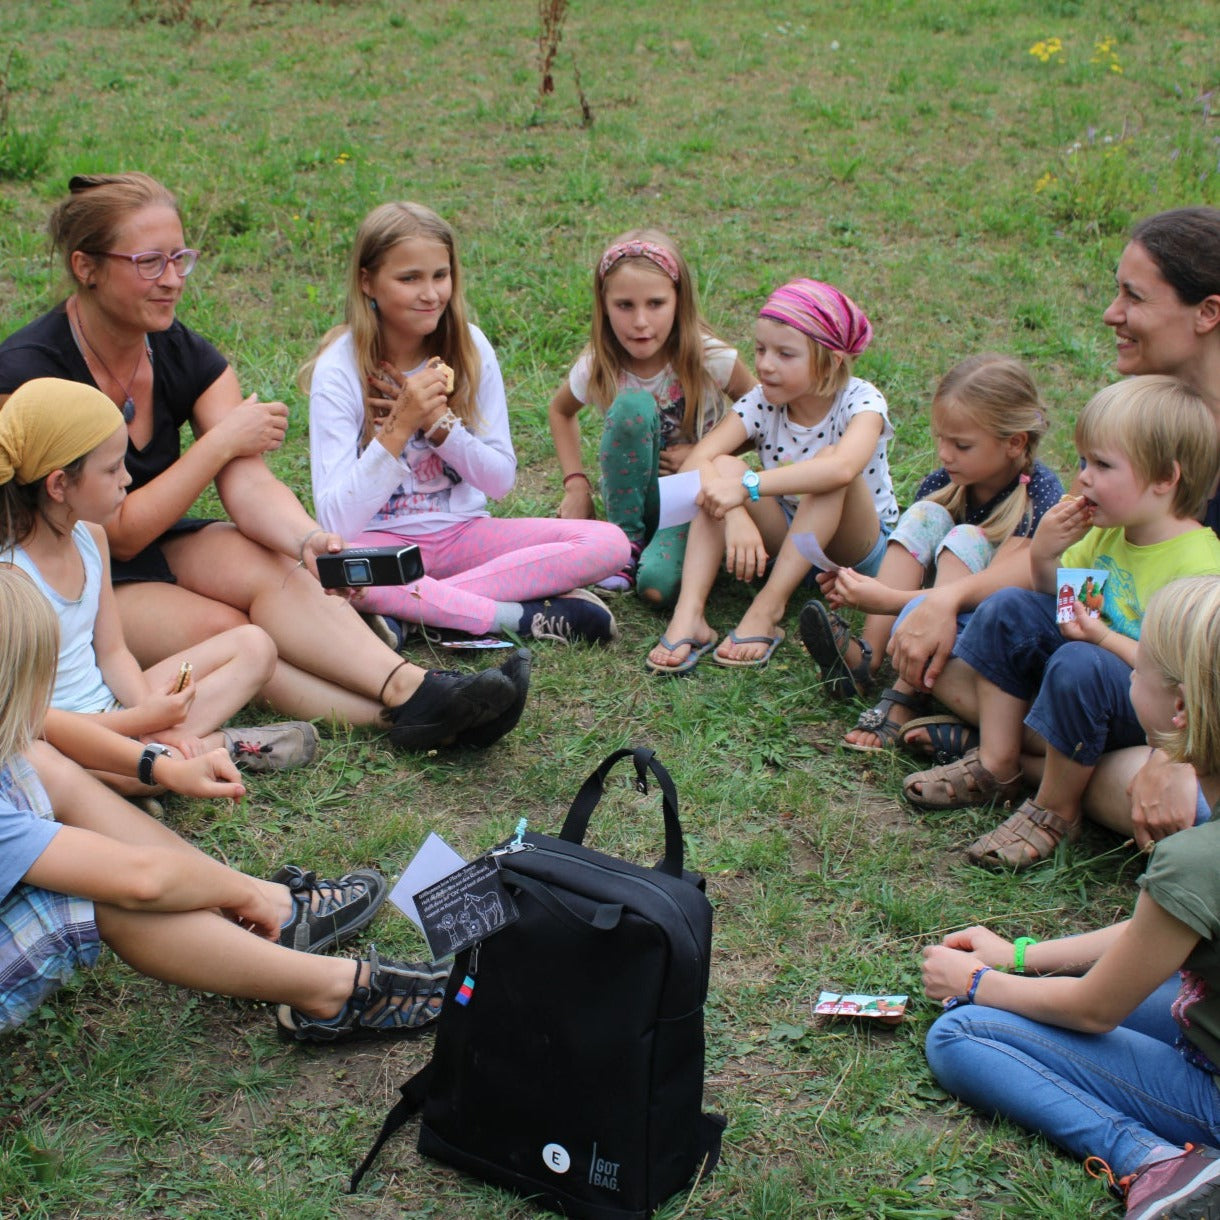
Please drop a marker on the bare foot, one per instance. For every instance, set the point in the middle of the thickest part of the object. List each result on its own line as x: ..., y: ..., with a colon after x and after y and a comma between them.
x: 754, y: 626
x: 679, y: 633
x: 896, y: 713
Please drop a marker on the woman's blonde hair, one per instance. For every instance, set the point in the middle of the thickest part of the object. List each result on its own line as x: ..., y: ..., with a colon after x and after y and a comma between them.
x: 997, y: 394
x: 96, y: 208
x: 684, y: 348
x: 29, y: 651
x: 1157, y: 423
x: 1180, y: 635
x: 380, y: 231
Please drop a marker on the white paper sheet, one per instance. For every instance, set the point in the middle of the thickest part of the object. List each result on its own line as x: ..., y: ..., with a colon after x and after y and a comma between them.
x: 678, y: 492
x: 434, y: 860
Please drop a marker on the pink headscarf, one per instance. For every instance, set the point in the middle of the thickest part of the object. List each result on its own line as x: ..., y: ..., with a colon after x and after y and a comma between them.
x: 822, y: 312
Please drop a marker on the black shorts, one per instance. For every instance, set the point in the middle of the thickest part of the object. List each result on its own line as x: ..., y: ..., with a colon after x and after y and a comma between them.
x: 150, y: 565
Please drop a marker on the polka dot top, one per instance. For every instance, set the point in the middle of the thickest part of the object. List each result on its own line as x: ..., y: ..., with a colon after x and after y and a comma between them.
x: 780, y: 441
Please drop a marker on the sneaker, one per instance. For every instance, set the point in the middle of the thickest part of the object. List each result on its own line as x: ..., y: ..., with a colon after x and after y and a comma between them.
x: 446, y: 704
x: 517, y: 670
x: 343, y: 906
x: 622, y: 581
x: 1184, y: 1187
x: 272, y: 747
x: 390, y: 631
x: 579, y: 615
x: 401, y: 1000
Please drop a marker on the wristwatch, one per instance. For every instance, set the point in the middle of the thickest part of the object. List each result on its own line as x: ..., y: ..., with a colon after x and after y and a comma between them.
x: 749, y: 481
x: 144, y: 772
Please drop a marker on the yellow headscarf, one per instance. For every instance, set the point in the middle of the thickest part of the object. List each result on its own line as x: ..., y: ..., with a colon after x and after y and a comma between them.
x: 48, y: 423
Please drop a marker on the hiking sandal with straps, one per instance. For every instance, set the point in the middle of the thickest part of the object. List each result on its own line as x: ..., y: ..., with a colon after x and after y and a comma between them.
x: 960, y: 784
x: 1026, y: 838
x: 402, y: 999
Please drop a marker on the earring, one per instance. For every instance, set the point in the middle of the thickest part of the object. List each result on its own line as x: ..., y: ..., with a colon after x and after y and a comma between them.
x: 373, y: 304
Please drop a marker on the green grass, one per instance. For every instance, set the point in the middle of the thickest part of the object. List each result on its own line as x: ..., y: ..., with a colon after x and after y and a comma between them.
x: 966, y: 193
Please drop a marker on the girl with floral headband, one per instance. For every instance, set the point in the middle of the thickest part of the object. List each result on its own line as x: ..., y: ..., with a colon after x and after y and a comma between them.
x: 824, y: 492
x: 660, y: 376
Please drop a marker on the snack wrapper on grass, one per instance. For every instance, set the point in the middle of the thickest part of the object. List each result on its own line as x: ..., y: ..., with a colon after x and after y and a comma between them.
x: 888, y: 1009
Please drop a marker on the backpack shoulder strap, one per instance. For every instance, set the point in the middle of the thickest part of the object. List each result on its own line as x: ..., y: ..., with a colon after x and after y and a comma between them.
x: 413, y: 1091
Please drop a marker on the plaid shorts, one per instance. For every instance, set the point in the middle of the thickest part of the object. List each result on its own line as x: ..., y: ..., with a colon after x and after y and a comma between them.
x: 44, y: 938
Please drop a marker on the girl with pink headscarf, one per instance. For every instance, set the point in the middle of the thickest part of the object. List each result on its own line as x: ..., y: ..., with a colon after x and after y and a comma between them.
x: 823, y: 497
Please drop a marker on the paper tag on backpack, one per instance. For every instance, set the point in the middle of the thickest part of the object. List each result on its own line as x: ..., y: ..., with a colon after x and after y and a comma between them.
x: 467, y: 906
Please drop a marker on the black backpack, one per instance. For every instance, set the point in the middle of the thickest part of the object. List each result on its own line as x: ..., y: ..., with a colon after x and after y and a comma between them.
x: 574, y: 1073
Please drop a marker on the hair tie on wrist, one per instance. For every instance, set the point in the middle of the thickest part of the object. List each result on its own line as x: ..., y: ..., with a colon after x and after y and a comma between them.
x: 305, y: 542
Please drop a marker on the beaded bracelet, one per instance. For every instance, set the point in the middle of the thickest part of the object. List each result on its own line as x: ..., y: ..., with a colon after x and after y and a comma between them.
x: 448, y: 422
x: 576, y: 474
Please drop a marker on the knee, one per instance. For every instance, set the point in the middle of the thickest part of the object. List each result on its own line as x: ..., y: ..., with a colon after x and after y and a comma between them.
x: 257, y: 651
x: 921, y: 529
x: 1079, y: 672
x: 218, y: 617
x: 632, y: 408
x: 610, y: 542
x: 657, y: 584
x: 1005, y: 609
x: 969, y: 543
x: 944, y: 1045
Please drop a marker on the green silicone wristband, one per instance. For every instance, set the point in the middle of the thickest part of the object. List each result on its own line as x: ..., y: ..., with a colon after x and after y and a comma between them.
x: 1018, y: 952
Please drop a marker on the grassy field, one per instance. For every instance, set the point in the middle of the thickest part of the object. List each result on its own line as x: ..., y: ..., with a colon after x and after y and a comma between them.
x: 965, y: 171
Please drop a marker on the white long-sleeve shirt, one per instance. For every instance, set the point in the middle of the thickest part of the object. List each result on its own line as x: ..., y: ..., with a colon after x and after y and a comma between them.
x: 424, y: 489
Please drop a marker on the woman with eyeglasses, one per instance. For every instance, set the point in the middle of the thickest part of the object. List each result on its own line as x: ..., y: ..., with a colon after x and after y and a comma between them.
x: 179, y: 579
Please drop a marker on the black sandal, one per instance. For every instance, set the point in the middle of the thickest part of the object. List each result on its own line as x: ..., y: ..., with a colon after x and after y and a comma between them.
x: 877, y: 719
x: 949, y: 737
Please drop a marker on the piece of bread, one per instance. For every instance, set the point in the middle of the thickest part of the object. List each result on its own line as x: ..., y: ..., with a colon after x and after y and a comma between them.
x: 437, y: 363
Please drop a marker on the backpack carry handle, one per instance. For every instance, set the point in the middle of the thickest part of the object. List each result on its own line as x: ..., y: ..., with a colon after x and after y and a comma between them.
x: 592, y: 790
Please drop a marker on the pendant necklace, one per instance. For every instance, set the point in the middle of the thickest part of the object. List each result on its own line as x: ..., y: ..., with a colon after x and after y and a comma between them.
x: 129, y: 407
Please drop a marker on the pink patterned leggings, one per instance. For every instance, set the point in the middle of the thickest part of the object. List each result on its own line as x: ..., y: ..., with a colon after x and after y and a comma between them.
x: 475, y: 564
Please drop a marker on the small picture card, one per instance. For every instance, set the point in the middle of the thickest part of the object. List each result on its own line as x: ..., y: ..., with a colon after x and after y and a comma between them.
x: 888, y: 1009
x: 475, y: 645
x: 810, y: 548
x: 1084, y: 585
x: 467, y: 906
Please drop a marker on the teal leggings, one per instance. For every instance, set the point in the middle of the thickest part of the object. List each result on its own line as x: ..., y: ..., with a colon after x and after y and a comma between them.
x: 630, y: 459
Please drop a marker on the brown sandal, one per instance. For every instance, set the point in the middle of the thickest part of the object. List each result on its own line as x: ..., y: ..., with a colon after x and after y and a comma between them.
x: 959, y: 784
x: 1028, y: 837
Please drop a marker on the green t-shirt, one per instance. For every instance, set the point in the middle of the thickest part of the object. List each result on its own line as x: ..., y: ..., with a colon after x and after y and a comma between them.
x: 1137, y: 572
x: 1183, y: 878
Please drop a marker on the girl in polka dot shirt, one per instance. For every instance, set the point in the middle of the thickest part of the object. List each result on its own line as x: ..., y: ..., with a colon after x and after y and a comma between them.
x: 824, y: 491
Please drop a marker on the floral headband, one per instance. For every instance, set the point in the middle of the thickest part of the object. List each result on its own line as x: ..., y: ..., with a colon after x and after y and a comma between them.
x: 638, y: 249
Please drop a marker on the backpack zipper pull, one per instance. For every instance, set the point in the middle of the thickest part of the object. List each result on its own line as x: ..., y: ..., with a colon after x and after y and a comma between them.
x: 466, y: 990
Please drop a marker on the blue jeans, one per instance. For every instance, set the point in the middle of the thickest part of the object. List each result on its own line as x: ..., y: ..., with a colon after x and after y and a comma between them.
x: 1081, y: 694
x: 1120, y: 1096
